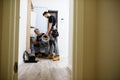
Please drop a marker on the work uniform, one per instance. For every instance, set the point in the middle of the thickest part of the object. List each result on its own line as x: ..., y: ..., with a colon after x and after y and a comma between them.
x: 53, y: 40
x: 37, y: 46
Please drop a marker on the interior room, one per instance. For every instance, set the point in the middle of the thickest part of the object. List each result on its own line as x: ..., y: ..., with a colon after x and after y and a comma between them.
x: 96, y: 42
x: 31, y: 14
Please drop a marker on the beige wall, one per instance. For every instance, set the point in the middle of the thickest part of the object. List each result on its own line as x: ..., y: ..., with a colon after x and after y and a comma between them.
x: 4, y: 49
x: 0, y: 26
x: 85, y: 20
x: 0, y: 19
x: 100, y: 22
x: 0, y: 23
x: 108, y: 40
x: 9, y: 49
x: 86, y: 40
x: 89, y: 56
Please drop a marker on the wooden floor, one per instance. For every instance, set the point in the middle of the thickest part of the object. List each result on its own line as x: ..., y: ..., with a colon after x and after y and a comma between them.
x: 44, y: 70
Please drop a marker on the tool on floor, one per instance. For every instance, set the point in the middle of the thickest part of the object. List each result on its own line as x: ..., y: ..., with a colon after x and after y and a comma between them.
x: 29, y: 58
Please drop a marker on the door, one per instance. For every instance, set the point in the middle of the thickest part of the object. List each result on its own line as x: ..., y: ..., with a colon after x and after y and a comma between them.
x: 9, y: 46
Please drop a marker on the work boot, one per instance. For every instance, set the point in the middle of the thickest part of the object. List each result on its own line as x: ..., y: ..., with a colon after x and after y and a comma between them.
x: 56, y: 58
x: 50, y: 56
x: 39, y: 55
x: 37, y: 59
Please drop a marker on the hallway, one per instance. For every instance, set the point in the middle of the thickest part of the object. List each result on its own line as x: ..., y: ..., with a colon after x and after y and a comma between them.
x: 44, y: 70
x: 96, y: 44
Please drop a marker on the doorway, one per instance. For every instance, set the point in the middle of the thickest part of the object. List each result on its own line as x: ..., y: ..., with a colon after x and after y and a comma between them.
x: 64, y: 64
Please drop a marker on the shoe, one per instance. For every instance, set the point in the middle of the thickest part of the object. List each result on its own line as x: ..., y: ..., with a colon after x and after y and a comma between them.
x: 56, y: 58
x: 39, y: 55
x: 50, y: 56
x: 37, y: 59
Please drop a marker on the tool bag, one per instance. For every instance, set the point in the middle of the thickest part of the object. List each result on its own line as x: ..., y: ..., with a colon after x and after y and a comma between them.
x: 29, y: 58
x: 55, y: 32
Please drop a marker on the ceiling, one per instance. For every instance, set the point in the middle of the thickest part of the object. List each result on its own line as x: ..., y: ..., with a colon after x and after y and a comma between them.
x: 36, y: 3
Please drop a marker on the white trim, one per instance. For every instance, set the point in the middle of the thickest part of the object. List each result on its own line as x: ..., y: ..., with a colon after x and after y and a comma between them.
x: 71, y: 37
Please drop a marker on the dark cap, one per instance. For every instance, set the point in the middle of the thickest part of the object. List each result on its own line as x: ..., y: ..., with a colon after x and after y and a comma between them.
x: 45, y: 13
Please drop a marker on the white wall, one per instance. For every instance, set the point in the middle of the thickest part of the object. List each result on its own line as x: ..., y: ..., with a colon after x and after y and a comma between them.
x: 33, y: 19
x: 63, y: 26
x: 22, y: 28
x: 41, y: 22
x: 33, y: 24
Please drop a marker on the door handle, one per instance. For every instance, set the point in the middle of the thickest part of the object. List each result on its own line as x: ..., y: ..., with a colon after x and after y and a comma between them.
x: 15, y: 67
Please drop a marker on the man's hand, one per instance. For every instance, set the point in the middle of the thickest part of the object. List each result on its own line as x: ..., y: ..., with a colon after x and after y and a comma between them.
x: 35, y: 42
x: 46, y: 34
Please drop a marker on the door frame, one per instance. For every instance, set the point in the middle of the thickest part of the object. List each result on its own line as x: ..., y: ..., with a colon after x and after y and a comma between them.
x: 78, y: 42
x: 7, y: 65
x: 9, y: 46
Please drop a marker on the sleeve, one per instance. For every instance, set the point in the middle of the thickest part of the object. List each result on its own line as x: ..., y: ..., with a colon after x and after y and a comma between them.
x: 37, y: 39
x: 51, y: 20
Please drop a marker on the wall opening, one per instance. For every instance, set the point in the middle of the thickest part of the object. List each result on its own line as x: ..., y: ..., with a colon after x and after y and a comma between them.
x: 64, y: 16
